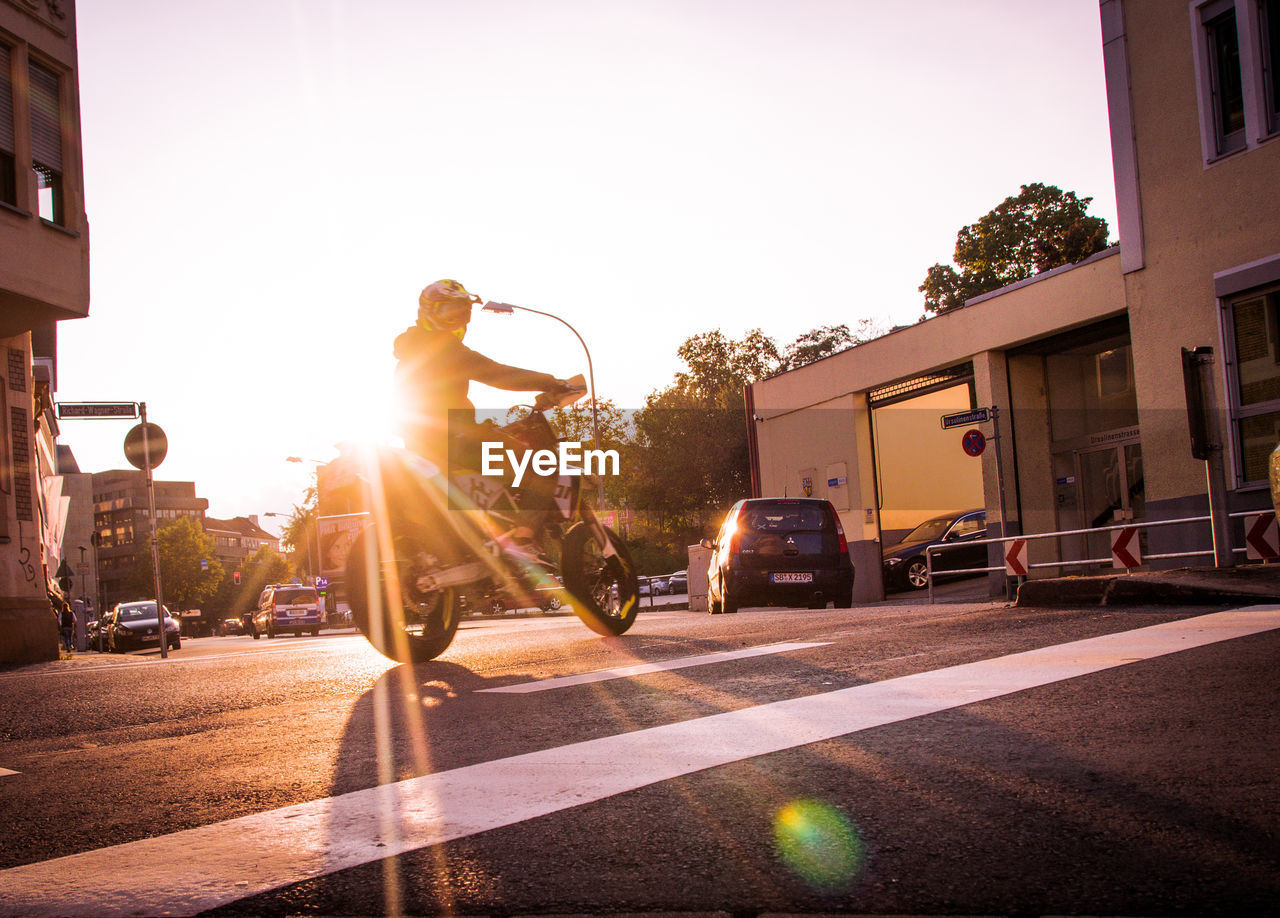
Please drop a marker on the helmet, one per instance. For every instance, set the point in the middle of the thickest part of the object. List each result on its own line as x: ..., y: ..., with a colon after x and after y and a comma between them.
x: 445, y: 305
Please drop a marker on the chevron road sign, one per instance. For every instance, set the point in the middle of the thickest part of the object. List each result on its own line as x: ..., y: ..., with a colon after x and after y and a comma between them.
x: 1015, y: 558
x: 1124, y: 549
x: 1262, y: 537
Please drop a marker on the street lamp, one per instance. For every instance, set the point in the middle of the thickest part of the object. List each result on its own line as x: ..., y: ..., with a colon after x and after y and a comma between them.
x: 315, y: 523
x: 310, y: 560
x: 507, y: 309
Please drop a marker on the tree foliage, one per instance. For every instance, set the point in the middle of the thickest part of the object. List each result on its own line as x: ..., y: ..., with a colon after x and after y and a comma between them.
x: 1040, y: 228
x: 182, y: 545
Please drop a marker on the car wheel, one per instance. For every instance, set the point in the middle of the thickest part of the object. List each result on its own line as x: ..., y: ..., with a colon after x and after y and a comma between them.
x: 729, y: 604
x: 845, y: 599
x: 177, y: 644
x: 917, y: 574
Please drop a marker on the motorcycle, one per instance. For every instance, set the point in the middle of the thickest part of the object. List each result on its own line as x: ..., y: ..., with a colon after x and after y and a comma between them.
x: 433, y: 544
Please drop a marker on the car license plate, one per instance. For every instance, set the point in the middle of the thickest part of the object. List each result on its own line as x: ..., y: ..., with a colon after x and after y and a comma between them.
x: 792, y: 577
x: 151, y: 637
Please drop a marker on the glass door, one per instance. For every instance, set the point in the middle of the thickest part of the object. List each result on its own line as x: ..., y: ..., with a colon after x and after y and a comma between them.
x: 1110, y: 492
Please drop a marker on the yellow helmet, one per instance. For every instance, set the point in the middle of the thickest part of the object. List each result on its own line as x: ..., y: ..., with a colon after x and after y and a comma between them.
x: 445, y: 306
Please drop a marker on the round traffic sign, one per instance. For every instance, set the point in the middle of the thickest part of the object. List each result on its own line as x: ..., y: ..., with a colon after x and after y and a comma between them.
x: 973, y: 442
x: 157, y: 444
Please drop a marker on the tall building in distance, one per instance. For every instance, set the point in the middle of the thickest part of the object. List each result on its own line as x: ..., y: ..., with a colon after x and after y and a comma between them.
x: 121, y: 518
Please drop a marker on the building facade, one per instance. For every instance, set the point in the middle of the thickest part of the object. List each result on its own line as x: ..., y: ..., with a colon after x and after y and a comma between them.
x: 122, y: 520
x: 238, y: 538
x: 1083, y: 365
x: 44, y: 279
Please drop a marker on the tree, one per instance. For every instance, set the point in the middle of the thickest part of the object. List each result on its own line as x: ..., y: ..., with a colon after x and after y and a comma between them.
x: 1040, y: 228
x: 256, y: 570
x: 825, y: 341
x: 182, y: 545
x: 298, y: 535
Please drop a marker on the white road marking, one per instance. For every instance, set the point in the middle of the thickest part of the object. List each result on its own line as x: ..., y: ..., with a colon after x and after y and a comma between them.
x: 640, y: 669
x: 202, y: 868
x: 5, y: 772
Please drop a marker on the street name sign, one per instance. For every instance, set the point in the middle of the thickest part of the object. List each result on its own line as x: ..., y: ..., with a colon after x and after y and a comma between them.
x: 97, y: 410
x: 966, y: 418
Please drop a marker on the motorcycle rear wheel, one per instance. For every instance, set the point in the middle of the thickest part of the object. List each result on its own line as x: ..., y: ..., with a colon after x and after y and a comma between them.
x: 605, y: 591
x: 409, y: 625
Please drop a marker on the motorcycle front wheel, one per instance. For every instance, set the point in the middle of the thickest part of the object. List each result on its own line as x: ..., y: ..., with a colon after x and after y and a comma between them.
x: 605, y: 590
x: 404, y: 623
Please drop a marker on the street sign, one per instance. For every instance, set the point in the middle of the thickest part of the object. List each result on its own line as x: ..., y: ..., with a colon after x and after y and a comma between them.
x: 973, y: 442
x: 1015, y: 558
x: 1262, y: 537
x: 157, y: 446
x: 965, y: 418
x: 1125, y: 551
x: 97, y: 410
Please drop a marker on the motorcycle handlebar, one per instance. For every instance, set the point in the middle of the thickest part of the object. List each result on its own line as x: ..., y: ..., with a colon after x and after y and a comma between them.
x: 561, y: 398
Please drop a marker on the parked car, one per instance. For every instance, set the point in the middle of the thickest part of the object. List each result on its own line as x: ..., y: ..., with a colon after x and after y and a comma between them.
x: 779, y: 551
x: 905, y: 565
x: 134, y: 626
x: 678, y: 583
x: 96, y: 632
x: 285, y: 608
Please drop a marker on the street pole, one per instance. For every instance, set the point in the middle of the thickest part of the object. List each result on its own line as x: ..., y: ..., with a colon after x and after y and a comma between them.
x: 155, y: 534
x: 508, y: 308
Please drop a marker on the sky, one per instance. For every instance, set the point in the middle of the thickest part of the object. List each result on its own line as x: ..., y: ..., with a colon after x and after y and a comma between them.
x: 269, y: 184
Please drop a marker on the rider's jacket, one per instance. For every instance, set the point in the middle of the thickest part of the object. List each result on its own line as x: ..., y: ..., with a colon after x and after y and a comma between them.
x: 434, y: 370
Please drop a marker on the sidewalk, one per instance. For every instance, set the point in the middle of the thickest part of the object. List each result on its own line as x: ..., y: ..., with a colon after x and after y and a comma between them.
x: 1252, y: 583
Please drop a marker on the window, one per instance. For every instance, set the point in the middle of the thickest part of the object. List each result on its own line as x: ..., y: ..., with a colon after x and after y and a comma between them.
x: 1226, y: 86
x: 46, y: 142
x: 8, y: 171
x: 1269, y: 52
x: 1236, y: 58
x: 1254, y: 336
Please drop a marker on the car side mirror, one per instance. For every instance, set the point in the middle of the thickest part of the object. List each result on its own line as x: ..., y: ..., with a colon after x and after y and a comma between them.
x: 707, y: 543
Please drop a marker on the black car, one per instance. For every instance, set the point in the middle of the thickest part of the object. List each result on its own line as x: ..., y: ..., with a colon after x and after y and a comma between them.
x: 905, y: 564
x: 133, y: 626
x: 777, y: 551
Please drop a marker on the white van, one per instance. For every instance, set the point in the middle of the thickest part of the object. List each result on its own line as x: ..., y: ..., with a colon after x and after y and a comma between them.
x: 288, y: 607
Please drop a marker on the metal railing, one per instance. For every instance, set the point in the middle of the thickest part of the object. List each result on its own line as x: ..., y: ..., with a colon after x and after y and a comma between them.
x: 934, y: 549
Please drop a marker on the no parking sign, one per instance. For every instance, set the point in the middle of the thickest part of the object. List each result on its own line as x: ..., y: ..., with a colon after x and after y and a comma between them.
x: 973, y: 442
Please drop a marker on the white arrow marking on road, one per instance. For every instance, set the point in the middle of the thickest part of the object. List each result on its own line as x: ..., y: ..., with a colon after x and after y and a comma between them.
x: 198, y: 869
x: 641, y: 669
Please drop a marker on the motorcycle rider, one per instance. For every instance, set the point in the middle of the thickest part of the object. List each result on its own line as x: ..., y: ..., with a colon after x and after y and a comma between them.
x: 434, y: 370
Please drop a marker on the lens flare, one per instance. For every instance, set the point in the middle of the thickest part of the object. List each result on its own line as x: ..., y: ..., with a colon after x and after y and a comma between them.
x: 818, y: 843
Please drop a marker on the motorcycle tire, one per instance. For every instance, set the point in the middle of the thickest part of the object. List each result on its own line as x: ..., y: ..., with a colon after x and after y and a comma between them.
x: 410, y: 625
x: 605, y: 591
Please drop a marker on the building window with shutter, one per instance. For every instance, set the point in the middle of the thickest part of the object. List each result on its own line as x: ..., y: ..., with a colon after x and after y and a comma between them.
x: 46, y: 142
x: 8, y: 170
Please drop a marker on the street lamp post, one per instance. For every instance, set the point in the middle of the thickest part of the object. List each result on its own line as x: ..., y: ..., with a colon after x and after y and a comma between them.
x: 310, y: 560
x: 315, y: 522
x: 507, y: 309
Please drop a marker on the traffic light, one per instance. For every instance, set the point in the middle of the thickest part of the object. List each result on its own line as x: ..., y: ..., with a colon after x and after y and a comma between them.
x: 235, y: 577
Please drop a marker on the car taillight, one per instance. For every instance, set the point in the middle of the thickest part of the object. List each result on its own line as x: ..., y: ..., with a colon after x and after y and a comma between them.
x: 844, y: 545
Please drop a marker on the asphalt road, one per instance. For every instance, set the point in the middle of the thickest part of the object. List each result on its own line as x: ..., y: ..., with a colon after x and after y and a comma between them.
x: 892, y: 759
